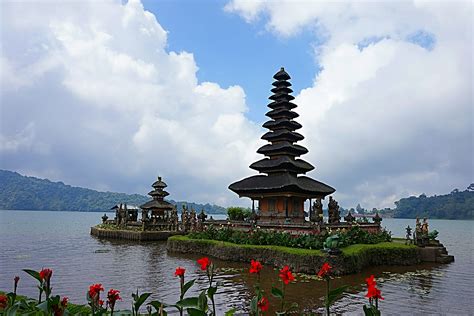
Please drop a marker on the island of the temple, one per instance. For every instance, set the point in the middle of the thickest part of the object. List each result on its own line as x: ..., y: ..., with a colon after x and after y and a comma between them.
x: 286, y: 224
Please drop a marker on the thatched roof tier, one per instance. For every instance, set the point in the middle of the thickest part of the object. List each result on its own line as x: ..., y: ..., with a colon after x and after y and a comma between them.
x: 281, y: 183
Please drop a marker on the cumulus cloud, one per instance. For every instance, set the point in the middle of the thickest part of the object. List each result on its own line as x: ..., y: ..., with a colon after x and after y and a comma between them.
x: 390, y: 111
x: 91, y: 96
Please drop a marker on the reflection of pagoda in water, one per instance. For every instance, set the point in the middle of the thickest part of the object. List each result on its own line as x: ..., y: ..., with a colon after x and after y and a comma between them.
x: 279, y: 189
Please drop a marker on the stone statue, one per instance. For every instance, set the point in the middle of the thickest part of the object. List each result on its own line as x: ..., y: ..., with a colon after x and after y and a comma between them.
x: 349, y: 218
x: 424, y: 226
x: 184, y: 218
x: 408, y: 235
x: 433, y: 235
x: 331, y: 245
x: 174, y: 220
x: 317, y: 212
x: 104, y: 218
x: 201, y: 219
x: 377, y: 218
x: 193, y: 220
x: 333, y: 209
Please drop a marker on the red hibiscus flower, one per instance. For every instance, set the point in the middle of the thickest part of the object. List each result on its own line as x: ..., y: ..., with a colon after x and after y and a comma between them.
x: 179, y: 272
x: 204, y: 262
x: 285, y: 275
x: 95, y: 289
x: 255, y: 266
x: 3, y: 301
x: 101, y: 302
x: 262, y: 304
x: 45, y: 274
x: 324, y: 270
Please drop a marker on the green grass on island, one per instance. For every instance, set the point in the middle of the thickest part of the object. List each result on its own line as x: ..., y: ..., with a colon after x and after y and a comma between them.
x: 352, y: 250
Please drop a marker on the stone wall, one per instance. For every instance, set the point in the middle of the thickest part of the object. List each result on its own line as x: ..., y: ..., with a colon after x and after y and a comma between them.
x: 300, y: 260
x: 132, y: 235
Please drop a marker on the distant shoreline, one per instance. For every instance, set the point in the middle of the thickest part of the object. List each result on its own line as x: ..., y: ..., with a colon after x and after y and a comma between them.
x: 110, y: 211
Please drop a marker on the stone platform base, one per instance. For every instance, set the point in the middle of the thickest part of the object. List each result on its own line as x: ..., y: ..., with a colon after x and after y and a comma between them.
x: 435, y: 253
x: 133, y: 235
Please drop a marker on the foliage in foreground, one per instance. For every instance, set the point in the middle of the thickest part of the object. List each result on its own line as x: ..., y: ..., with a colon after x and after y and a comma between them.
x: 355, y: 235
x: 202, y: 305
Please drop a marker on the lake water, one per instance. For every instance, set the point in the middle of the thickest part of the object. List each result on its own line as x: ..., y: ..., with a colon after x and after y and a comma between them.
x: 61, y: 241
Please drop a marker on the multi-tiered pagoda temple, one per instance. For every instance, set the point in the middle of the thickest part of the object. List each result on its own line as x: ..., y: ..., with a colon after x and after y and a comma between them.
x: 160, y: 209
x: 279, y: 190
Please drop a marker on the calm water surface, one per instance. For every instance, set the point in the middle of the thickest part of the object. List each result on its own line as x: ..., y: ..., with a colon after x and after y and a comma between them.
x: 61, y: 241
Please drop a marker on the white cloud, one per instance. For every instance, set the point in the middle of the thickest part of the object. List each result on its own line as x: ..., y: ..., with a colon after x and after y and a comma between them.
x: 391, y: 117
x: 113, y: 106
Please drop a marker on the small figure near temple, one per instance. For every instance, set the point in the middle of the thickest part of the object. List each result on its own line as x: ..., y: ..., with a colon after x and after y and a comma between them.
x: 253, y: 219
x: 184, y: 218
x: 349, y: 218
x: 377, y: 218
x: 193, y: 220
x: 104, y: 218
x: 201, y: 219
x: 316, y: 215
x: 333, y: 210
x: 424, y: 226
x: 174, y: 220
x: 408, y: 235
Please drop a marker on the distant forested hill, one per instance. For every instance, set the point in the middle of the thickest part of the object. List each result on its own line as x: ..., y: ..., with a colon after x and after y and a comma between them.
x: 19, y: 192
x: 456, y: 205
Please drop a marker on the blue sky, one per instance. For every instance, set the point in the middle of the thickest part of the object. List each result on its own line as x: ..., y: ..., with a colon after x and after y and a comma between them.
x: 108, y: 95
x: 231, y: 52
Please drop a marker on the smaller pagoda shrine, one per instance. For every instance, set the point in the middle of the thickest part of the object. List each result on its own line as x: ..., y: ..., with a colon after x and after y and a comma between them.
x: 157, y: 210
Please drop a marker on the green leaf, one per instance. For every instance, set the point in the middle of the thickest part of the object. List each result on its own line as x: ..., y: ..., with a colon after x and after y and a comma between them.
x: 276, y: 292
x: 230, y: 312
x: 211, y: 291
x: 335, y: 293
x: 12, y: 311
x: 188, y: 302
x: 187, y: 286
x: 43, y: 306
x: 253, y: 305
x: 33, y: 273
x: 202, y: 301
x: 195, y: 312
x: 141, y: 299
x: 157, y: 305
x: 371, y: 311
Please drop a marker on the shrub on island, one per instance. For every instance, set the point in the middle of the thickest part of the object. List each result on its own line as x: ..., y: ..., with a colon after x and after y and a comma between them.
x: 355, y: 235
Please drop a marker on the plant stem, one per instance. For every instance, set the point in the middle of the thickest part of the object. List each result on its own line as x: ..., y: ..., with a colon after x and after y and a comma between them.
x: 327, y: 296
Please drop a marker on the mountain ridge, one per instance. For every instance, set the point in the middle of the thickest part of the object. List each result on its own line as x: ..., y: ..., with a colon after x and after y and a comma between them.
x: 20, y: 192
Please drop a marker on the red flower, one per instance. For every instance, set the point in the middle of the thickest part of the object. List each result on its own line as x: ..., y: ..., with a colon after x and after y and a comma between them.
x: 45, y: 274
x: 101, y: 302
x: 255, y: 266
x: 371, y: 281
x: 3, y: 301
x: 64, y: 301
x: 263, y: 304
x: 324, y: 270
x: 112, y: 297
x: 373, y: 292
x: 179, y: 272
x: 204, y: 262
x: 95, y: 289
x: 285, y: 275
